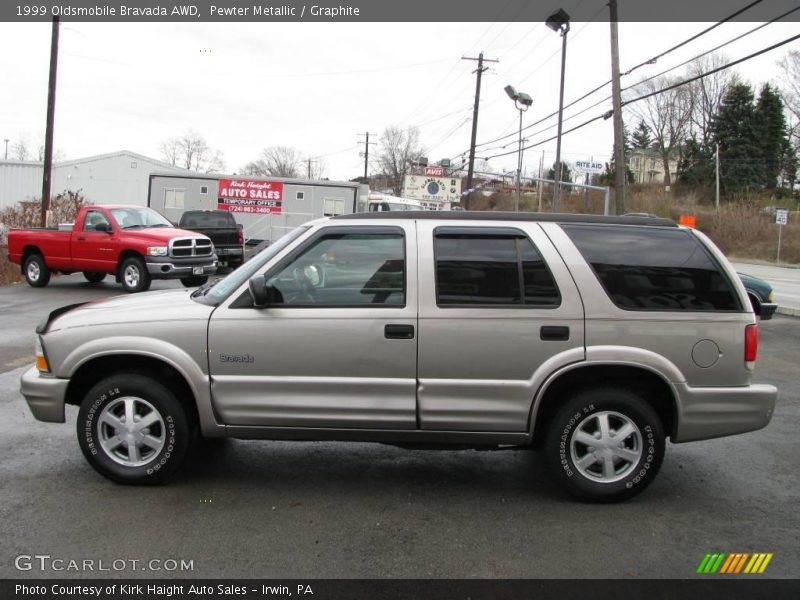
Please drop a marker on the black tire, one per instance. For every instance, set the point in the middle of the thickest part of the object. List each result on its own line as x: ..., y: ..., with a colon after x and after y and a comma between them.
x: 93, y: 276
x: 37, y: 273
x: 107, y: 401
x: 612, y: 471
x: 194, y: 281
x: 235, y: 264
x: 134, y: 276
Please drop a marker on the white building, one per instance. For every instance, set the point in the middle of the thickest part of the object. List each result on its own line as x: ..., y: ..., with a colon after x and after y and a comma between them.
x: 117, y: 178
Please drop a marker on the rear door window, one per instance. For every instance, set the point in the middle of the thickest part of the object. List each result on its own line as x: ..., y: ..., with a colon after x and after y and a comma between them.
x: 646, y: 268
x: 491, y: 267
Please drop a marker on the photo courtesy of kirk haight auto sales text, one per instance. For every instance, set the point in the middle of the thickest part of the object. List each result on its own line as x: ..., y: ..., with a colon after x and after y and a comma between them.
x: 163, y: 591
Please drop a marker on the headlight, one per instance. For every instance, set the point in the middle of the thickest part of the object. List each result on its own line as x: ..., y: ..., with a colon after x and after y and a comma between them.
x: 770, y: 296
x: 157, y: 251
x: 41, y: 358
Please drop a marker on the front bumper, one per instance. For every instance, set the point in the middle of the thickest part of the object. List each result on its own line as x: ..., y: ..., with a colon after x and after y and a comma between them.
x: 174, y: 268
x: 707, y: 413
x: 45, y: 395
x: 767, y: 309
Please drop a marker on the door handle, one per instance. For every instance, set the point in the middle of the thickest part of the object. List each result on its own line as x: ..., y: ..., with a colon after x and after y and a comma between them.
x: 399, y: 332
x: 81, y: 239
x: 554, y: 333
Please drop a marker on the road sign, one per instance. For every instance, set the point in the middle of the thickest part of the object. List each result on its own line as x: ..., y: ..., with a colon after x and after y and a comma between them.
x: 589, y: 166
x: 781, y: 216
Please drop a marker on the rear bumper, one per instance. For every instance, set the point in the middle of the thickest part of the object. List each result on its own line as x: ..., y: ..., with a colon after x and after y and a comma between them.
x: 716, y: 412
x: 45, y: 395
x: 174, y: 268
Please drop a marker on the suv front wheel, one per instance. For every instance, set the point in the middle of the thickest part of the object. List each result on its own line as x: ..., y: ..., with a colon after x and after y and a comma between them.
x: 605, y: 445
x: 132, y: 429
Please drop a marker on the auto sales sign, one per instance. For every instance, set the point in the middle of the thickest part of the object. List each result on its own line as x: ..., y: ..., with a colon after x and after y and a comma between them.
x: 250, y: 196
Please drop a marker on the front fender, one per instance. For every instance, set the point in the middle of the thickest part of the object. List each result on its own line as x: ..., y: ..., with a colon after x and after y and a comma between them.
x: 170, y: 354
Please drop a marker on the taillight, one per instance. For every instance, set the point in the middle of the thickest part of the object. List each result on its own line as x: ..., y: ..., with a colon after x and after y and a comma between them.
x: 750, y: 344
x: 241, y: 236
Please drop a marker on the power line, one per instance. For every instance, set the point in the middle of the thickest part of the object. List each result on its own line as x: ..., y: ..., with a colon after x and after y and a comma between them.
x: 652, y: 60
x: 661, y: 91
x: 712, y: 71
x: 714, y: 49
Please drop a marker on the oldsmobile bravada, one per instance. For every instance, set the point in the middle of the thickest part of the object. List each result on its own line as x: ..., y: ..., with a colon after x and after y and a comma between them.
x: 594, y: 338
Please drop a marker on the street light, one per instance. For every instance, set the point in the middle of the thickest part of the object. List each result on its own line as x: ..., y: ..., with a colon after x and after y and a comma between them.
x: 559, y: 22
x: 522, y: 101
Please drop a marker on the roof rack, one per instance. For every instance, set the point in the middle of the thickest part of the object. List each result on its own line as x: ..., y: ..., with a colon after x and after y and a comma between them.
x: 459, y: 215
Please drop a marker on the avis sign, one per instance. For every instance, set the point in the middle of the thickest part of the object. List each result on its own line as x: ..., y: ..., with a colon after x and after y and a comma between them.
x: 250, y: 196
x: 434, y: 171
x: 589, y: 166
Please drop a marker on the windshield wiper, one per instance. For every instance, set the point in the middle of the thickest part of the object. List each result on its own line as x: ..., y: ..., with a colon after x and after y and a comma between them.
x: 203, y: 289
x: 132, y: 226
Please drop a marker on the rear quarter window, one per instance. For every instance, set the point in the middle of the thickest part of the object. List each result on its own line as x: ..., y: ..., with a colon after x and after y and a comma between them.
x: 647, y: 268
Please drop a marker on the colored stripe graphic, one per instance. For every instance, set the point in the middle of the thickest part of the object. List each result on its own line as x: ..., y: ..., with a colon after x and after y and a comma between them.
x: 731, y: 563
x: 734, y: 563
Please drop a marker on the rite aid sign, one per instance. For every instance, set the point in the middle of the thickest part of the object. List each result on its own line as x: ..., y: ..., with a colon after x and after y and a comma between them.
x: 589, y: 166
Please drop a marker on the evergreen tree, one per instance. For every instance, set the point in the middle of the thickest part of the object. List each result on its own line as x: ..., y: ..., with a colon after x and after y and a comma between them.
x: 697, y: 164
x: 608, y: 178
x: 641, y: 136
x: 734, y: 129
x: 566, y: 174
x: 771, y: 132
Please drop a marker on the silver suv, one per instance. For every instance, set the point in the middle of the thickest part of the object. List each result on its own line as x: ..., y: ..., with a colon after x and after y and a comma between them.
x: 595, y: 338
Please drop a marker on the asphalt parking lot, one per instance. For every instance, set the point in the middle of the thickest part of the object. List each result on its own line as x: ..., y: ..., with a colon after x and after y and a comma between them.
x: 319, y: 510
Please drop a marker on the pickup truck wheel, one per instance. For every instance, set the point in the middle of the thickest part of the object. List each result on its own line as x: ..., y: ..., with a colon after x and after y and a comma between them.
x: 94, y: 277
x: 37, y: 273
x: 196, y: 281
x: 134, y: 275
x: 133, y: 430
x: 605, y: 445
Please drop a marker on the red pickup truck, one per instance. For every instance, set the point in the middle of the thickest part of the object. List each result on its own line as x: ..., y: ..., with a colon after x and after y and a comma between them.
x: 133, y: 243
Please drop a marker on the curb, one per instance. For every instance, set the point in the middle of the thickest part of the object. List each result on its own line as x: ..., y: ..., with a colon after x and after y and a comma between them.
x: 789, y: 312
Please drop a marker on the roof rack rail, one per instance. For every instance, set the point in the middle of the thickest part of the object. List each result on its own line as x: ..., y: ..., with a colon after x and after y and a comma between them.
x: 460, y: 215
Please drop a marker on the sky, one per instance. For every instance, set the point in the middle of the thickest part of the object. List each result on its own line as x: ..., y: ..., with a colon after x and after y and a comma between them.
x: 316, y: 86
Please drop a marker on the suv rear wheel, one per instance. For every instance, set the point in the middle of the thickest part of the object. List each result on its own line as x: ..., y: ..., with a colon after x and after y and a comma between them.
x: 133, y: 430
x: 605, y: 445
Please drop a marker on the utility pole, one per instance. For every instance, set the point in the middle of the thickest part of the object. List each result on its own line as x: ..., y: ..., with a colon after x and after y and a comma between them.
x: 366, y: 152
x: 479, y: 71
x: 541, y: 176
x: 621, y: 169
x: 308, y: 169
x: 716, y: 161
x: 6, y: 140
x: 51, y: 111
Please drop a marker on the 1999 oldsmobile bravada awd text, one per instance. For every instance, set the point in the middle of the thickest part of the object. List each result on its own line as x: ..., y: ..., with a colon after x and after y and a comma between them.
x: 595, y: 338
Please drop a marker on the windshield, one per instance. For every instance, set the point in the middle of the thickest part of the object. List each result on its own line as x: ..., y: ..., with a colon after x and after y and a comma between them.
x: 219, y: 290
x: 130, y: 218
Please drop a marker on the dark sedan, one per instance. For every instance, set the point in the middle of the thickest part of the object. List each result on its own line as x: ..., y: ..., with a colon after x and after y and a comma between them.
x: 761, y: 296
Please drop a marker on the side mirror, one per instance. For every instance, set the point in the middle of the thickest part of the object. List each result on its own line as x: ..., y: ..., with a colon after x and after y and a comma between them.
x: 263, y: 295
x: 103, y: 226
x: 258, y: 291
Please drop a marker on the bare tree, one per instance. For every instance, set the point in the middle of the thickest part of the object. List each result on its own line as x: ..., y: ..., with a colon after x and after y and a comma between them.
x: 668, y: 114
x: 790, y: 65
x: 191, y: 151
x: 21, y: 149
x: 708, y: 92
x: 397, y: 149
x: 275, y: 161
